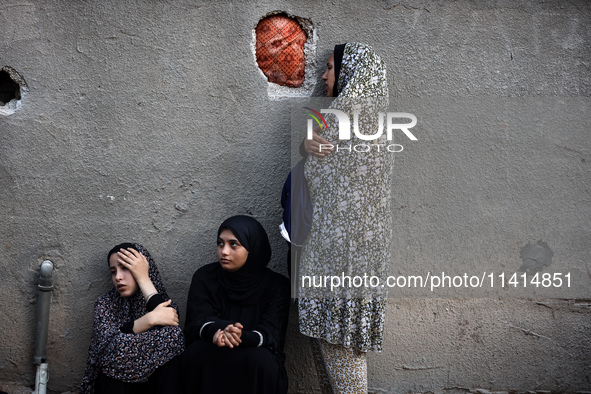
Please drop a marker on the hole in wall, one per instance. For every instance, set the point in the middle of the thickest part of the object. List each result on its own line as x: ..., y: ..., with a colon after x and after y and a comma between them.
x: 12, y: 89
x: 284, y: 47
x: 8, y: 88
x: 280, y: 50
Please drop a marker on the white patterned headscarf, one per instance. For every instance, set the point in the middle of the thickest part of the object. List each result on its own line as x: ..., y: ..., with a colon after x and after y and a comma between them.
x: 362, y: 87
x: 362, y: 73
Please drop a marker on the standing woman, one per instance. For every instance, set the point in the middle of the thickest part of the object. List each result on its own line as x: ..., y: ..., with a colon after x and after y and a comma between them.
x: 135, y: 331
x: 350, y: 234
x: 237, y: 313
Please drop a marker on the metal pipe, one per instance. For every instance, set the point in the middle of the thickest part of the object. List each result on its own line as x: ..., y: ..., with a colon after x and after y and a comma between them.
x: 41, y: 379
x: 40, y: 356
x: 45, y: 287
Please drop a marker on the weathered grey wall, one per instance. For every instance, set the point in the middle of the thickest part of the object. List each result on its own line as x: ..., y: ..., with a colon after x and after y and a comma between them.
x: 150, y: 121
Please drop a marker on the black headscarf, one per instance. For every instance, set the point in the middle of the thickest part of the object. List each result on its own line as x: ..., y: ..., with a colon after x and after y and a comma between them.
x: 339, y: 50
x: 247, y: 283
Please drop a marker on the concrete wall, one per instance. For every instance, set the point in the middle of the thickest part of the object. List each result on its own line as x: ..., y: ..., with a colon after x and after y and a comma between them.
x: 150, y: 121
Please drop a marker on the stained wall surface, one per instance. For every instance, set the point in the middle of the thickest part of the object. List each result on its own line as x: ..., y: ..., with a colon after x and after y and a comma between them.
x: 150, y: 121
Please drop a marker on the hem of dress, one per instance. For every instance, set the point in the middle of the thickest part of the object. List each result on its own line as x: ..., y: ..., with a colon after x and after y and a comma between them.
x: 375, y: 348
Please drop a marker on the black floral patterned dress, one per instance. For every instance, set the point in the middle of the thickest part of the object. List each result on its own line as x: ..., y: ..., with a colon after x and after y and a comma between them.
x: 127, y: 356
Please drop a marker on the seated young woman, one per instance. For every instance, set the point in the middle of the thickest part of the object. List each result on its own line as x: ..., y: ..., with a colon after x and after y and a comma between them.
x: 237, y: 313
x: 135, y: 331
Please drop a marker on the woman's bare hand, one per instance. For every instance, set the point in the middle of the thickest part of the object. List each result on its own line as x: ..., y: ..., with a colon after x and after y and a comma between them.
x: 232, y: 334
x: 135, y: 262
x: 139, y: 267
x: 218, y: 338
x: 318, y: 146
x: 162, y: 315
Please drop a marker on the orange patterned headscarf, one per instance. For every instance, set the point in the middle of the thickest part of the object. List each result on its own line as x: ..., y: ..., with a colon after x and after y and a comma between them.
x: 280, y: 50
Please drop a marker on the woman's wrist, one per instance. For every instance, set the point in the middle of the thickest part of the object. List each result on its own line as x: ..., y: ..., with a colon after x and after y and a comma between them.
x: 150, y: 295
x: 150, y: 319
x: 144, y: 282
x: 147, y: 288
x: 143, y: 323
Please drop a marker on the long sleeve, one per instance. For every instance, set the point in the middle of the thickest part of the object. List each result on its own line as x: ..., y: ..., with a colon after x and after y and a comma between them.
x: 153, y: 302
x: 124, y: 356
x: 273, y: 322
x: 208, y: 305
x: 203, y: 306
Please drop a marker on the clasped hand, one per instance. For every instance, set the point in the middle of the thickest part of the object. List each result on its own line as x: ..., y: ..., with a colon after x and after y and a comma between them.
x: 229, y: 336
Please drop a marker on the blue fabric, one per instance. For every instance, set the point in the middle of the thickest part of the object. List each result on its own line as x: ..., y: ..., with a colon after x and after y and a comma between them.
x: 297, y: 205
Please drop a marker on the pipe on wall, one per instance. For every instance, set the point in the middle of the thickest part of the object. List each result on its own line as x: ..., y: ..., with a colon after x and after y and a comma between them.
x: 40, y: 357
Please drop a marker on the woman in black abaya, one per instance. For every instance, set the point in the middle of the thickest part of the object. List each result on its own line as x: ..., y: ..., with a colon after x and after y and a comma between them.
x: 237, y: 313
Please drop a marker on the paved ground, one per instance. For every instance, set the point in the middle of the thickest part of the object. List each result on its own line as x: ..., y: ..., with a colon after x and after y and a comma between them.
x: 15, y: 388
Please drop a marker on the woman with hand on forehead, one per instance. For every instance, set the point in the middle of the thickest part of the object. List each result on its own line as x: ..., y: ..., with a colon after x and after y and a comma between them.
x: 237, y: 313
x: 136, y: 329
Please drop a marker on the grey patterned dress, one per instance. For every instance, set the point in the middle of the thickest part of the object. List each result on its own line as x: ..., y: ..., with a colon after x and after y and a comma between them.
x: 351, y: 228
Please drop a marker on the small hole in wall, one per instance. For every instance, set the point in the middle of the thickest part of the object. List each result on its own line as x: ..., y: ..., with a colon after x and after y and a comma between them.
x: 280, y: 42
x: 8, y: 88
x: 12, y: 89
